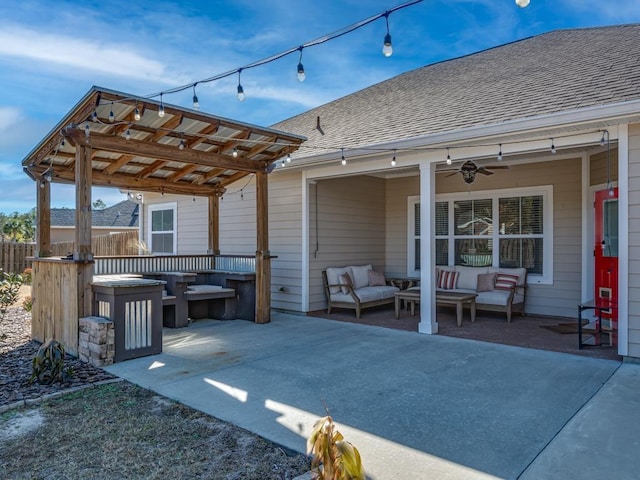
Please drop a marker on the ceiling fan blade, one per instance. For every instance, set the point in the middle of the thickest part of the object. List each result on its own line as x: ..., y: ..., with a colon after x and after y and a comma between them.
x: 484, y: 171
x: 452, y: 174
x: 497, y: 167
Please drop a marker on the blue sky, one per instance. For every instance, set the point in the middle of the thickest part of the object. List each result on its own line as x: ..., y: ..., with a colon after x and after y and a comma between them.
x: 52, y: 52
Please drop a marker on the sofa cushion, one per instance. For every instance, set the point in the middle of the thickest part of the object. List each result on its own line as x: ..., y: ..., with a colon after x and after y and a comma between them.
x: 468, y: 276
x: 505, y: 281
x: 495, y: 297
x: 447, y: 280
x: 345, y: 280
x: 520, y: 272
x: 376, y: 279
x: 486, y: 282
x: 333, y: 277
x: 360, y: 275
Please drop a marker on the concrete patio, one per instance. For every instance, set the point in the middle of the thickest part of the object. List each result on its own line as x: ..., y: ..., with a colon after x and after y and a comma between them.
x: 416, y: 406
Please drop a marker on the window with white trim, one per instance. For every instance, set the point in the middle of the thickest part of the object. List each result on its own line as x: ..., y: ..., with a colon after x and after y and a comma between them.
x: 503, y: 228
x: 163, y: 228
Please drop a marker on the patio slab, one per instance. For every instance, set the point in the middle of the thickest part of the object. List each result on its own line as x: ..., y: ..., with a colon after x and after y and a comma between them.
x: 414, y: 405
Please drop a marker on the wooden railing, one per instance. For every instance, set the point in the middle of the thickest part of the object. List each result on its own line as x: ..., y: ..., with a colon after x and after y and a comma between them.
x: 173, y: 263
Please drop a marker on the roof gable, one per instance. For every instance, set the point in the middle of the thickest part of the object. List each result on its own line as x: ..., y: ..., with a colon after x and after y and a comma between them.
x: 120, y: 215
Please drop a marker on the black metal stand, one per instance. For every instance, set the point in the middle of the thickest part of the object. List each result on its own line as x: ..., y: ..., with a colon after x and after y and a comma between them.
x: 599, y: 308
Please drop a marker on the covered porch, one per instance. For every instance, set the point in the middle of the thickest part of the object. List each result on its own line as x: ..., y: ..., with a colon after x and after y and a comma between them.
x: 112, y: 139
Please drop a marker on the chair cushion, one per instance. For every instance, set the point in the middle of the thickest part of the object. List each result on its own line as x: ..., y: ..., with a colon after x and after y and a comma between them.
x: 360, y: 275
x: 333, y: 277
x: 376, y: 279
x: 345, y: 279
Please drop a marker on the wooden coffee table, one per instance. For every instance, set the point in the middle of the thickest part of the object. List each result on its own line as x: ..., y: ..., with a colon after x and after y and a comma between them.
x: 410, y: 297
x: 458, y: 299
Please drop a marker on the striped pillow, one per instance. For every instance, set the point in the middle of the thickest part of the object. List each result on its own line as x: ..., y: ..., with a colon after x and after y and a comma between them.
x: 447, y: 280
x: 504, y: 281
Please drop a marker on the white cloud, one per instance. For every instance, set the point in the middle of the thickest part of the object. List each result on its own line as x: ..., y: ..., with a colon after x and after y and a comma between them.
x: 80, y: 53
x: 9, y: 116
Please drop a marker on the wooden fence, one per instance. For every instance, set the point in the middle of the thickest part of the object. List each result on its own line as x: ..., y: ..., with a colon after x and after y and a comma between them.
x: 14, y: 255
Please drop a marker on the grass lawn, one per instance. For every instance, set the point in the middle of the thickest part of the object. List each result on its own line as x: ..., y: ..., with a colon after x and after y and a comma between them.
x: 121, y: 431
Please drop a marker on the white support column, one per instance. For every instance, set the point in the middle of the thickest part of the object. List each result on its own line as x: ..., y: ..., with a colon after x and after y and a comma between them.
x: 305, y: 243
x: 428, y: 323
x: 587, y: 239
x: 623, y: 241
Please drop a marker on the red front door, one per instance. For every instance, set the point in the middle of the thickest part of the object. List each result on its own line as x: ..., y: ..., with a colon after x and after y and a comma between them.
x: 606, y: 254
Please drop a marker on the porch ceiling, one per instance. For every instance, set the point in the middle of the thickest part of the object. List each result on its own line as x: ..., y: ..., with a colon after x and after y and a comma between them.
x: 184, y: 151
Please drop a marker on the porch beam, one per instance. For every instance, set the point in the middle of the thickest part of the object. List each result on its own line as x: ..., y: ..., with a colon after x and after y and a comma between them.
x: 160, y: 151
x: 214, y: 224
x: 43, y: 213
x: 263, y: 256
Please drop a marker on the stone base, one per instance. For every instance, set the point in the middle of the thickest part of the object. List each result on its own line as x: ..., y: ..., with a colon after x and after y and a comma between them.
x: 97, y: 341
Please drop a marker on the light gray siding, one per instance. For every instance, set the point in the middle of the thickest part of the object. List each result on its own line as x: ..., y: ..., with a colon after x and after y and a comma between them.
x: 634, y: 241
x: 347, y: 227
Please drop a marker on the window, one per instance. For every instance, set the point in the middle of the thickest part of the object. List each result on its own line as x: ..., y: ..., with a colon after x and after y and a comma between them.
x: 162, y: 228
x: 505, y: 228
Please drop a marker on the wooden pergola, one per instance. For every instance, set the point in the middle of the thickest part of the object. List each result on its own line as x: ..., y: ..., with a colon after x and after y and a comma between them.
x: 111, y: 139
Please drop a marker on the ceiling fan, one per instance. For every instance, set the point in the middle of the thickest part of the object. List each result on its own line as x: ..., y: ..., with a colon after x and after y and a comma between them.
x: 469, y: 169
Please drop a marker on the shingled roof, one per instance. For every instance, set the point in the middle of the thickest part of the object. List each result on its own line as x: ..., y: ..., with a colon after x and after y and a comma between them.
x: 559, y: 71
x: 120, y: 215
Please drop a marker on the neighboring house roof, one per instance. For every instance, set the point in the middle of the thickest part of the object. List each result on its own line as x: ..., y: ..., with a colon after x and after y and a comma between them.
x: 120, y: 215
x: 560, y: 71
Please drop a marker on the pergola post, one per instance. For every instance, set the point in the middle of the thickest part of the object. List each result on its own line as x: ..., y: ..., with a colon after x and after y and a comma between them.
x: 43, y: 219
x: 82, y: 254
x: 214, y: 224
x: 263, y: 257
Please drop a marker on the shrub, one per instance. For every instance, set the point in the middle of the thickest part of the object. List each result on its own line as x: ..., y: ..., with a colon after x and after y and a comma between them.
x: 27, y: 303
x: 9, y: 288
x: 333, y: 457
x: 48, y: 364
x: 26, y: 276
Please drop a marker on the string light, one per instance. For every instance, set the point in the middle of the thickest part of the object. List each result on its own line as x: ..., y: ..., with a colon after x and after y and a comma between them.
x: 393, y: 160
x: 448, y: 157
x: 500, y: 153
x: 234, y: 153
x: 553, y: 146
x: 161, y: 108
x: 602, y: 139
x: 301, y: 74
x: 387, y: 48
x: 136, y: 113
x: 196, y: 103
x: 522, y: 3
x: 241, y: 95
x: 94, y: 117
x: 87, y: 130
x: 112, y: 117
x: 344, y: 160
x: 181, y: 146
x: 127, y: 135
x: 288, y: 158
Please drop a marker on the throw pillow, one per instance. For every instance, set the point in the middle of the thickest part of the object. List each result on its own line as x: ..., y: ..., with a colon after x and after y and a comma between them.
x: 345, y: 282
x: 486, y: 282
x: 447, y: 280
x: 376, y: 279
x: 504, y: 281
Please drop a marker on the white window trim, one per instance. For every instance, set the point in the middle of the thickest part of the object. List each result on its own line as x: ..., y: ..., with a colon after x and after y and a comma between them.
x: 546, y: 191
x: 164, y: 206
x: 411, y: 237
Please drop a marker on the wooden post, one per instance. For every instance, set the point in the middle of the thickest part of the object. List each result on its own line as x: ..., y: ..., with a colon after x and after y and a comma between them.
x: 43, y: 222
x: 82, y: 253
x: 83, y: 204
x: 214, y: 224
x: 263, y: 256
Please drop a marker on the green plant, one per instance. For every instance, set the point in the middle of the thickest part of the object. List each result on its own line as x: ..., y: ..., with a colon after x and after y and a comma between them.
x: 333, y: 457
x: 26, y: 276
x: 48, y: 364
x: 9, y: 288
x: 27, y: 303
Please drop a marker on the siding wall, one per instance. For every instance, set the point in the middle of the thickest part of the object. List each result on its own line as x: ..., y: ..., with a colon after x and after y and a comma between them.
x: 350, y: 215
x: 560, y: 298
x: 634, y: 241
x: 598, y: 164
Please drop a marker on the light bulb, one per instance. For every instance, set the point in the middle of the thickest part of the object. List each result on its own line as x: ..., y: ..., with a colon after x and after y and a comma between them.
x: 127, y: 135
x: 112, y: 117
x: 241, y: 95
x: 301, y: 74
x: 448, y: 157
x: 136, y: 114
x: 181, y: 146
x: 387, y: 49
x: 235, y: 152
x: 500, y: 153
x: 94, y: 117
x: 87, y: 130
x: 283, y: 164
x: 553, y: 147
x: 393, y: 161
x: 161, y: 111
x: 196, y: 104
x: 522, y: 3
x: 288, y: 158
